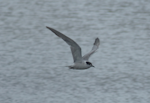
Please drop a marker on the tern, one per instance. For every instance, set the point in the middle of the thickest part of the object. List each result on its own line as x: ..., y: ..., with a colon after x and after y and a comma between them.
x: 79, y: 61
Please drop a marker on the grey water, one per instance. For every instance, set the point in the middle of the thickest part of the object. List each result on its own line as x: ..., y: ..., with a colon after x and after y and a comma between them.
x: 33, y: 59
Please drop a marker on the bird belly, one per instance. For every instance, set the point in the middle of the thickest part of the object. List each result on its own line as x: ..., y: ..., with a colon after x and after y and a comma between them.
x: 80, y: 66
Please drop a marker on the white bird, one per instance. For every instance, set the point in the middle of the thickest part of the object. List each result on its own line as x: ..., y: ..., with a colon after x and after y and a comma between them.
x: 79, y: 61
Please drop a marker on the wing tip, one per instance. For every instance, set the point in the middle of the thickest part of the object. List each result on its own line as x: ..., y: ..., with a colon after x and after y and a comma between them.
x: 97, y: 38
x: 97, y: 41
x: 48, y: 27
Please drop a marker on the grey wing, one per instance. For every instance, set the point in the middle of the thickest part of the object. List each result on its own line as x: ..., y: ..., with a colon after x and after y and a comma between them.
x: 75, y: 48
x: 95, y: 47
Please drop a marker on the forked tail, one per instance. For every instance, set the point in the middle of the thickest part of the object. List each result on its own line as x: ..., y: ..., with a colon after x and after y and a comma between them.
x: 70, y: 67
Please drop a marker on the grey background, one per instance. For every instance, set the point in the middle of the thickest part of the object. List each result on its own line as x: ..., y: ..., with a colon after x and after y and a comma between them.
x: 33, y: 59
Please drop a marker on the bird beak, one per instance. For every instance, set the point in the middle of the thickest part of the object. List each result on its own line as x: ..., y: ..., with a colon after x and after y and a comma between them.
x: 93, y: 66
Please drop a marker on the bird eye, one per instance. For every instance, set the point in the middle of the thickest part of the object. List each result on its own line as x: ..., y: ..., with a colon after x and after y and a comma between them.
x: 88, y: 63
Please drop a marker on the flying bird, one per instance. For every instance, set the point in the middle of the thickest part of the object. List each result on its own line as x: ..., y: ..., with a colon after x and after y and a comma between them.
x: 79, y: 61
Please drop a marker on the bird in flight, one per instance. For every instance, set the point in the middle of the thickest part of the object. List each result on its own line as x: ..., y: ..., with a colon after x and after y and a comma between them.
x: 79, y: 61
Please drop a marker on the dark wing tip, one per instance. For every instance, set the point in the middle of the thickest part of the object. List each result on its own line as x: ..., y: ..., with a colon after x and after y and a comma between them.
x: 97, y: 41
x: 54, y: 31
x: 49, y: 28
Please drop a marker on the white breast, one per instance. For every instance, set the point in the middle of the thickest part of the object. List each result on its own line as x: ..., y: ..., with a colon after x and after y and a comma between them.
x: 81, y: 65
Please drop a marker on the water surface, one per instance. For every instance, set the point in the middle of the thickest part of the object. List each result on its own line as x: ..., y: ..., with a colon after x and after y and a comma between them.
x: 33, y: 58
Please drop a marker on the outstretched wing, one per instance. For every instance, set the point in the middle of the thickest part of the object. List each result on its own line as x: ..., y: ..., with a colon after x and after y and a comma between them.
x: 75, y: 48
x: 95, y: 47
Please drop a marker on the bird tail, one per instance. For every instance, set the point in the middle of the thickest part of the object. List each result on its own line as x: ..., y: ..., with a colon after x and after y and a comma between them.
x: 70, y: 67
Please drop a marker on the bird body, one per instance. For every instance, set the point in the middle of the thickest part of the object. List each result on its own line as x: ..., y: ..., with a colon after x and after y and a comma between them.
x: 80, y: 65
